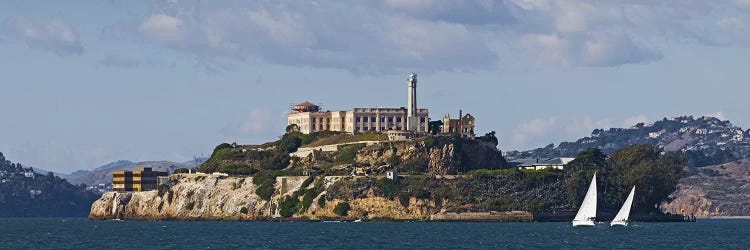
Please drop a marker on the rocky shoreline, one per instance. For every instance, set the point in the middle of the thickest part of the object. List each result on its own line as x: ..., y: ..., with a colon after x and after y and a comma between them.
x: 218, y: 198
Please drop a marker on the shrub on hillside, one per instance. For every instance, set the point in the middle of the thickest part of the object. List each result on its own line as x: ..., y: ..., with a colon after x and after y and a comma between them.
x: 322, y: 202
x: 388, y: 187
x: 181, y: 171
x: 288, y: 206
x: 342, y: 209
x: 347, y: 153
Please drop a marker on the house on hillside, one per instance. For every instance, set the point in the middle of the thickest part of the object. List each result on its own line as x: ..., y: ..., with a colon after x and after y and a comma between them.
x: 541, y: 163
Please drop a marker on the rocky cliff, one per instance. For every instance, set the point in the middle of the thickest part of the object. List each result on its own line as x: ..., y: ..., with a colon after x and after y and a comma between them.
x: 435, y: 155
x: 206, y: 197
x: 198, y: 197
x: 720, y: 190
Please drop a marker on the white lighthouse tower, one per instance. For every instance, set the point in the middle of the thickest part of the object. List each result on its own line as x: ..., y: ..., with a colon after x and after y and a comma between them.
x: 412, y: 120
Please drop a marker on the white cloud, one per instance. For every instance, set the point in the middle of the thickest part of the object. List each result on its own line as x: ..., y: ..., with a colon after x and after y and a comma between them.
x: 583, y: 127
x: 258, y: 121
x: 633, y: 120
x: 531, y: 129
x: 573, y: 16
x: 428, y: 35
x: 162, y: 28
x: 532, y: 4
x: 54, y: 35
x: 589, y: 50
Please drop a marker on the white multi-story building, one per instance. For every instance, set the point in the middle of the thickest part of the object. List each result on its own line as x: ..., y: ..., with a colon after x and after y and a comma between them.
x: 358, y: 120
x: 310, y: 119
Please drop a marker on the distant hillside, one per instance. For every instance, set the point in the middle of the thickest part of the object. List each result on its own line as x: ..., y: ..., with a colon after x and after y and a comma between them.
x: 24, y: 193
x: 703, y: 141
x: 718, y: 155
x: 103, y: 174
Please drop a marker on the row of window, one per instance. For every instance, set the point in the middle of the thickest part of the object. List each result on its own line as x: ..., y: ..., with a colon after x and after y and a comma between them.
x: 368, y: 128
x: 383, y: 119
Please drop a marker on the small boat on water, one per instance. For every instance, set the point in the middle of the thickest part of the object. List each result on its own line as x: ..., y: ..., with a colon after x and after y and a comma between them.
x: 586, y: 215
x: 621, y: 219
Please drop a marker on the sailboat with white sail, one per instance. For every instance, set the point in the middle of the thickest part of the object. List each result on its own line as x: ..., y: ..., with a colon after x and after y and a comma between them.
x: 621, y: 219
x: 587, y: 212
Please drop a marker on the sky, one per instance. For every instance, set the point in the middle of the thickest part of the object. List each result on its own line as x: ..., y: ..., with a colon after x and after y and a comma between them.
x: 84, y: 83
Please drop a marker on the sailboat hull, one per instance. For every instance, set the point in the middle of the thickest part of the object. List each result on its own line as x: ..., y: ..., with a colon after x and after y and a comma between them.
x: 583, y: 223
x: 618, y: 223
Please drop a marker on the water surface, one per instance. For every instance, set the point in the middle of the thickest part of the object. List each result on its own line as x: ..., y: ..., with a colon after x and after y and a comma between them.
x: 85, y: 234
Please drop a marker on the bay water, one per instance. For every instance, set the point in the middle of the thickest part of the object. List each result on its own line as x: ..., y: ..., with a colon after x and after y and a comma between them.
x: 78, y: 233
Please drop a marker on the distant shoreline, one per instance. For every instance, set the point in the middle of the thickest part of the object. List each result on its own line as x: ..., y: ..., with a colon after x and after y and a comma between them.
x: 726, y: 217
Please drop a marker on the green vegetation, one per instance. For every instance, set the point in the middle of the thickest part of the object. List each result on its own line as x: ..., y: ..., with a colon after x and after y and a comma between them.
x: 240, y: 160
x: 307, y: 181
x: 430, y: 141
x: 578, y: 173
x: 288, y: 206
x: 403, y: 199
x: 493, y: 172
x: 489, y: 137
x: 414, y: 165
x: 654, y: 174
x: 265, y: 180
x: 342, y: 209
x: 388, y: 188
x: 322, y: 202
x: 238, y: 168
x: 347, y: 153
x: 181, y: 171
x: 312, y: 137
x: 308, y: 198
x: 244, y: 210
x: 394, y: 159
x: 331, y: 138
x: 291, y: 205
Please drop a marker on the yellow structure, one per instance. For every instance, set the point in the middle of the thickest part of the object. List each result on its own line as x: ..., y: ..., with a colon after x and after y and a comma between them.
x: 138, y: 180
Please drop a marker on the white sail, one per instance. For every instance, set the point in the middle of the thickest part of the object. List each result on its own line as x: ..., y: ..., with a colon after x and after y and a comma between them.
x: 622, y: 217
x: 587, y: 212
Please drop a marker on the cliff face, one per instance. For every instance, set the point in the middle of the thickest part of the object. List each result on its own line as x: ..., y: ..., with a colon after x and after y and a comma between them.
x: 720, y: 190
x: 436, y: 156
x: 188, y: 198
x: 192, y: 197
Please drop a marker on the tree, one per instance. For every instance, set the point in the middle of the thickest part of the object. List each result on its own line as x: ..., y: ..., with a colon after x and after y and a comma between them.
x: 290, y: 142
x: 292, y: 128
x: 436, y: 127
x: 342, y: 209
x: 578, y: 173
x: 489, y: 137
x: 654, y: 173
